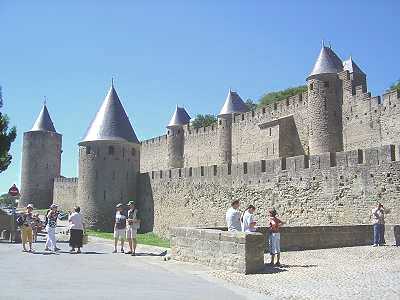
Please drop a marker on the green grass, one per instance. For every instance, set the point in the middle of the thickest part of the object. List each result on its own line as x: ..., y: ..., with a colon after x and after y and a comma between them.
x: 142, y: 238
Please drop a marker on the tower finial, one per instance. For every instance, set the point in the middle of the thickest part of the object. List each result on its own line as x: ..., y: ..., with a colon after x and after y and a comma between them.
x: 112, y: 81
x: 322, y: 43
x: 45, y: 100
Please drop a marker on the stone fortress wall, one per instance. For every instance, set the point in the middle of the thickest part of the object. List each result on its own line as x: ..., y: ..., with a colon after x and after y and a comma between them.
x: 330, y: 188
x: 66, y: 192
x: 320, y: 157
x: 272, y: 131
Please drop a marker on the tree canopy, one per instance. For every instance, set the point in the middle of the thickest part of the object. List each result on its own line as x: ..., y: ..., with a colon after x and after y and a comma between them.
x: 203, y: 121
x: 251, y: 105
x: 272, y: 97
x: 7, y: 136
x: 394, y: 86
x: 8, y: 200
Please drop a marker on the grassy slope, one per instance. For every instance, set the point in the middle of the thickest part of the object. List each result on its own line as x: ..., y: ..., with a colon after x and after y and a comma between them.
x: 144, y: 238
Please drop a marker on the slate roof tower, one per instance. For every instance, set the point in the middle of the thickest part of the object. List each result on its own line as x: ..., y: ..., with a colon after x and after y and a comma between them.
x: 108, y: 163
x: 41, y: 162
x: 325, y: 103
x: 233, y: 105
x: 176, y: 137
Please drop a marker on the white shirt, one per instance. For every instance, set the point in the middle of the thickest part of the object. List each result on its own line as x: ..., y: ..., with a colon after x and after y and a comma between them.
x: 75, y: 221
x: 233, y: 219
x: 248, y: 218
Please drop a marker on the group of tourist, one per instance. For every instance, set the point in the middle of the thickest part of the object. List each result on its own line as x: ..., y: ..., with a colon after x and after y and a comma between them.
x: 125, y: 227
x: 31, y: 224
x: 245, y: 222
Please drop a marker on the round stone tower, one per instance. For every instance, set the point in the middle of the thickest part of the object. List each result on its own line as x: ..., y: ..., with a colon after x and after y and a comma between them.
x: 176, y: 137
x: 41, y: 162
x: 108, y: 164
x: 233, y: 105
x: 325, y: 104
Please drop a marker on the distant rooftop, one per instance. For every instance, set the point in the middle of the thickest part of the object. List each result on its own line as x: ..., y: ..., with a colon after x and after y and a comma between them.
x: 43, y: 122
x: 111, y: 122
x: 179, y: 118
x: 233, y: 104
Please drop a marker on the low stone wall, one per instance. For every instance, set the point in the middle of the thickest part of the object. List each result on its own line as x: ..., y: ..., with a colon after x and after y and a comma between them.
x: 231, y: 251
x: 320, y: 237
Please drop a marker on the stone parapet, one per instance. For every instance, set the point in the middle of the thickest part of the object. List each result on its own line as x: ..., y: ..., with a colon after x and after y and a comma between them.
x: 231, y: 251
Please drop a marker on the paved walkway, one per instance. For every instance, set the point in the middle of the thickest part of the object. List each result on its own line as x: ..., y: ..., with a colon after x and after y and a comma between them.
x: 99, y: 274
x: 340, y: 273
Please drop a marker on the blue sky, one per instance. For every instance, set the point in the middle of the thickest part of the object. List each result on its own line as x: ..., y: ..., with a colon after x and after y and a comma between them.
x: 164, y: 53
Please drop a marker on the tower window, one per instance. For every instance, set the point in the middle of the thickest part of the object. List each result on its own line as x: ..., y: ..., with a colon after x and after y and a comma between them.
x: 229, y: 169
x: 111, y: 150
x: 104, y: 195
x: 161, y: 174
x: 133, y: 151
x: 168, y: 132
x: 220, y: 122
x: 326, y: 84
x: 87, y: 149
x: 270, y: 131
x: 190, y: 172
x: 215, y: 170
x: 311, y: 86
x: 202, y: 171
x: 180, y: 172
x: 263, y: 166
x: 245, y: 168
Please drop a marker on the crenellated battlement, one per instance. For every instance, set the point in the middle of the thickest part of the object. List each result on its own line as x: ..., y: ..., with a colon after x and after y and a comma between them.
x: 156, y: 140
x: 66, y: 180
x: 291, y: 166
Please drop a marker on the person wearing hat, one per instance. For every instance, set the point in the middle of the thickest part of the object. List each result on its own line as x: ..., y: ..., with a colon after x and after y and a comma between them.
x: 119, y: 228
x: 133, y: 222
x: 51, y: 229
x: 26, y: 228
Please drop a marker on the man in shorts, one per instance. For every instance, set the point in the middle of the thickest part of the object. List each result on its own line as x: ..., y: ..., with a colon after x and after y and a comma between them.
x: 274, y: 225
x: 119, y: 228
x: 133, y: 223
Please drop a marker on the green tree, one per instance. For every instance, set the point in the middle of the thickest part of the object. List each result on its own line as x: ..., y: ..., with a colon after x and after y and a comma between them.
x: 7, y: 200
x: 281, y: 95
x: 203, y: 121
x: 394, y: 86
x: 7, y: 136
x: 251, y: 105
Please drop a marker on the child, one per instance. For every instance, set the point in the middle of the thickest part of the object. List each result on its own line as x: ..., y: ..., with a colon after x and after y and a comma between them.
x: 274, y: 237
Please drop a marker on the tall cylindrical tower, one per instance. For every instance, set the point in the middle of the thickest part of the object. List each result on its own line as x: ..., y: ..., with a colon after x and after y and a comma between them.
x: 41, y: 162
x: 109, y: 157
x: 325, y: 104
x: 233, y: 105
x: 176, y: 137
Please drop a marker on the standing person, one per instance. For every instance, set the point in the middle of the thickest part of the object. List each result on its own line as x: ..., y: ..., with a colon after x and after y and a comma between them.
x: 26, y: 228
x: 119, y: 228
x: 51, y: 244
x: 378, y: 221
x: 76, y: 228
x: 233, y: 217
x: 36, y: 226
x: 133, y: 223
x: 247, y: 219
x: 274, y: 225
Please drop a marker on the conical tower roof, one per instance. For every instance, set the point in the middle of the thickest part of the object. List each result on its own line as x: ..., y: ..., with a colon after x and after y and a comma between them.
x: 111, y: 122
x: 233, y: 104
x: 327, y: 62
x: 179, y: 118
x: 351, y: 66
x: 43, y: 121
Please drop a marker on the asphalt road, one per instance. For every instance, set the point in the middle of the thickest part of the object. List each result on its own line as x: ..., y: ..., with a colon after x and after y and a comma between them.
x: 99, y: 274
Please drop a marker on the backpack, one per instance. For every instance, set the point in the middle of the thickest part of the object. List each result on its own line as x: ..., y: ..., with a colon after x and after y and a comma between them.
x: 20, y: 220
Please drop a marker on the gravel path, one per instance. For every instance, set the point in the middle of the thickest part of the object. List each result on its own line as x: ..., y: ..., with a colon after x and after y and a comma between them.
x: 340, y: 273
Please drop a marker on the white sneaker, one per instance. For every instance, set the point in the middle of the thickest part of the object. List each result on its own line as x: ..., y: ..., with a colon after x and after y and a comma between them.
x: 375, y: 245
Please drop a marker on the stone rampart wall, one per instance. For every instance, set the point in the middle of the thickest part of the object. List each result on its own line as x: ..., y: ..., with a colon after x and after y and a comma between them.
x: 328, y: 189
x: 66, y: 192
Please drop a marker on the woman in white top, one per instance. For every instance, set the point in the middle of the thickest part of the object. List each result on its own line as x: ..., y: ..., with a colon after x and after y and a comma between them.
x: 75, y: 230
x: 248, y: 222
